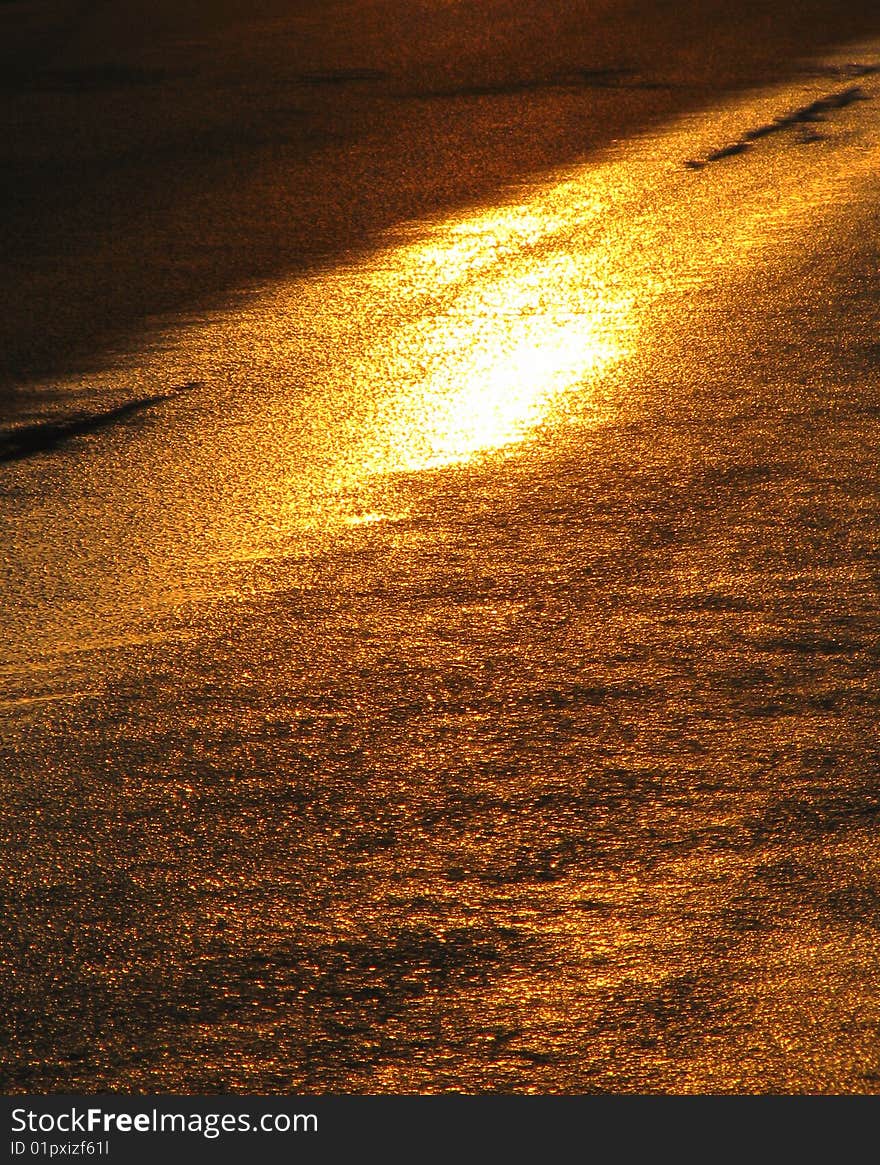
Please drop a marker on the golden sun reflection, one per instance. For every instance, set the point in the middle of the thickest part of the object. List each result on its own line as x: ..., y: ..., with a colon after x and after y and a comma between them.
x: 484, y: 371
x: 481, y: 334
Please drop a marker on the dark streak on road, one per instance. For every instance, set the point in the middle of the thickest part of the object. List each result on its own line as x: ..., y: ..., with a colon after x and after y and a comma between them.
x: 29, y: 440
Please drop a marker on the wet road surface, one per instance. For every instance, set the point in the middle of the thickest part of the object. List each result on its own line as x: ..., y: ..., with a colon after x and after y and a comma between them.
x: 464, y: 676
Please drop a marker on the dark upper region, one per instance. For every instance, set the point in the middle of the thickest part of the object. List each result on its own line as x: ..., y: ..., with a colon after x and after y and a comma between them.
x: 93, y: 78
x: 341, y: 76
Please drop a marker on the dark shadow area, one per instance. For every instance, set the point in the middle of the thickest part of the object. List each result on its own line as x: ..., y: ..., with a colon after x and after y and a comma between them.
x: 156, y: 157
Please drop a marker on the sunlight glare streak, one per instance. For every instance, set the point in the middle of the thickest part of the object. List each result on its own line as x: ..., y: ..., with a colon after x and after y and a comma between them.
x: 481, y: 374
